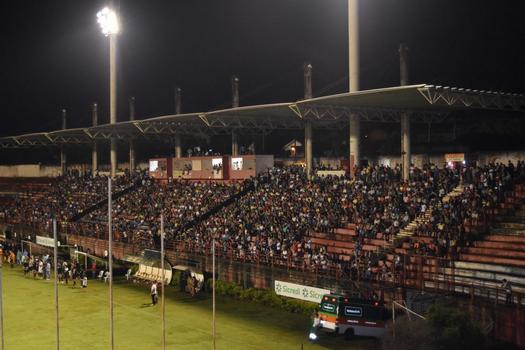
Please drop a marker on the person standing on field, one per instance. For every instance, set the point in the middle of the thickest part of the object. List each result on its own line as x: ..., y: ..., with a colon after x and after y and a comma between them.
x: 154, y: 293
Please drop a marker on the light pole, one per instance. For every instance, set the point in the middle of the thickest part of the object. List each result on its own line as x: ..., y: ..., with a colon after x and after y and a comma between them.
x: 353, y: 78
x: 109, y: 24
x: 108, y: 21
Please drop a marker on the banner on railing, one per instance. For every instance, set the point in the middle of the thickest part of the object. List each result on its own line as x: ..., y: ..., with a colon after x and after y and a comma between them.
x: 298, y: 291
x: 46, y: 241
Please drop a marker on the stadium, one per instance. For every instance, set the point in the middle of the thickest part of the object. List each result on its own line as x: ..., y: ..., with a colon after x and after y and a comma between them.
x: 389, y: 217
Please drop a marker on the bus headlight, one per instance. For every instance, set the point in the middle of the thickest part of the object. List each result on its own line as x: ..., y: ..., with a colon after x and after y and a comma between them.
x: 312, y: 336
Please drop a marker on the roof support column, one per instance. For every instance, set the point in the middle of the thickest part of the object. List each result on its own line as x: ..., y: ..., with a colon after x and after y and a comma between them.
x: 405, y: 145
x: 235, y: 144
x: 355, y: 135
x: 178, y: 146
x: 94, y: 154
x: 62, y: 151
x: 308, y: 125
x: 353, y: 69
x: 235, y: 104
x: 178, y: 100
x: 405, y: 117
x: 178, y: 109
x: 132, y: 165
x: 308, y: 147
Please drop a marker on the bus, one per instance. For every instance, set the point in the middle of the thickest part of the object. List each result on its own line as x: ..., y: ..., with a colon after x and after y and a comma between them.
x: 350, y: 316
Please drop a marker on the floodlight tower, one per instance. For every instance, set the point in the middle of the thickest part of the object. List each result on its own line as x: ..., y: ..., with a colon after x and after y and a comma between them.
x: 109, y: 23
x: 353, y: 65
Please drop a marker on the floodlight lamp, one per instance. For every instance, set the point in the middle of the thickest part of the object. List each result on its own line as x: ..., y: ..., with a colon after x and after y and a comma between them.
x: 108, y: 21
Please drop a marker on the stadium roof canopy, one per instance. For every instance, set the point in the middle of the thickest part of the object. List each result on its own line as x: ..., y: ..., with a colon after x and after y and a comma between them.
x: 425, y: 103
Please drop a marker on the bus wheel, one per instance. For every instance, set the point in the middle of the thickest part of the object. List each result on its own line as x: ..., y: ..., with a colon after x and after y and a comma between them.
x: 349, y: 334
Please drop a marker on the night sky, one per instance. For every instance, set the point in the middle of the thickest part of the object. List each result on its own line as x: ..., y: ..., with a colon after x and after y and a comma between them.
x: 54, y: 56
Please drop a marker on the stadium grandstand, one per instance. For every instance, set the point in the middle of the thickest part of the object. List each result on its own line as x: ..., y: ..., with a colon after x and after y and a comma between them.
x: 432, y: 222
x: 449, y: 228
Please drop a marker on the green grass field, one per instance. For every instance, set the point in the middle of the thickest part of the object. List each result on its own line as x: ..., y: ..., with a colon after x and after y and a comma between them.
x: 29, y: 320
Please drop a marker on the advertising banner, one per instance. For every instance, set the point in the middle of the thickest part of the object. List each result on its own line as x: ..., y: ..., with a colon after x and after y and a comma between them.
x: 299, y: 291
x: 46, y: 241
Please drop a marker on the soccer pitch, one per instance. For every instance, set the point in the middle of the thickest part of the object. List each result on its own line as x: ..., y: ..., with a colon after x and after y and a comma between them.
x: 29, y: 320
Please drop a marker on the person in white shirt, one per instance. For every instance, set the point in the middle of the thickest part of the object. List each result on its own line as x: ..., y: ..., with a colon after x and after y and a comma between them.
x: 154, y: 293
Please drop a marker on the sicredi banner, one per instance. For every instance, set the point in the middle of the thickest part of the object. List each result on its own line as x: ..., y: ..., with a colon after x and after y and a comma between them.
x: 299, y: 291
x: 46, y: 241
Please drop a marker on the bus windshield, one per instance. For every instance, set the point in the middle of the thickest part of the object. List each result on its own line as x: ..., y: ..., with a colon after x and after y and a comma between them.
x: 329, y: 305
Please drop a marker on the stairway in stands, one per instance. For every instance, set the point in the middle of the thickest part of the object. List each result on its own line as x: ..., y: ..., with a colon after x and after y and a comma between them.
x: 408, y: 231
x: 236, y: 197
x: 103, y: 202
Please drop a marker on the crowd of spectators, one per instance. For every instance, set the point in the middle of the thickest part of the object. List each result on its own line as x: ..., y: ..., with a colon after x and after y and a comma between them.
x: 273, y: 221
x: 198, y: 151
x: 67, y: 197
x: 459, y: 221
x: 136, y: 215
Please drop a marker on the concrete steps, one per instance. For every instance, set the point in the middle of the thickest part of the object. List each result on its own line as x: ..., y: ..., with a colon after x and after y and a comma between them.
x: 490, y: 259
x: 408, y: 231
x: 506, y: 238
x: 332, y: 243
x: 518, y: 225
x: 346, y: 231
x: 508, y: 231
x: 510, y: 246
x: 510, y: 254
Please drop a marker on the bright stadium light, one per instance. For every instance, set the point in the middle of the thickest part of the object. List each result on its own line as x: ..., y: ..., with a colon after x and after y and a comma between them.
x: 108, y: 21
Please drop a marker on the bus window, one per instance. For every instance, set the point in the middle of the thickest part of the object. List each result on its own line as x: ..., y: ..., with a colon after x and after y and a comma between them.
x: 329, y: 304
x: 353, y: 311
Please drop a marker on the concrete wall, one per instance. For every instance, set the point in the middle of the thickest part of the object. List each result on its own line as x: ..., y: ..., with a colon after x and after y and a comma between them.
x: 29, y: 170
x: 38, y: 170
x: 500, y: 157
x: 482, y: 158
x: 334, y: 163
x: 263, y: 163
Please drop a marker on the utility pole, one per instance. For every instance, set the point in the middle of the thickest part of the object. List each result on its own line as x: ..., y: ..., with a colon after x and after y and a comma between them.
x: 62, y: 151
x: 110, y: 263
x: 131, y: 142
x: 178, y: 109
x: 235, y: 104
x: 55, y: 265
x: 213, y: 296
x: 2, y: 300
x: 94, y: 154
x: 163, y: 274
